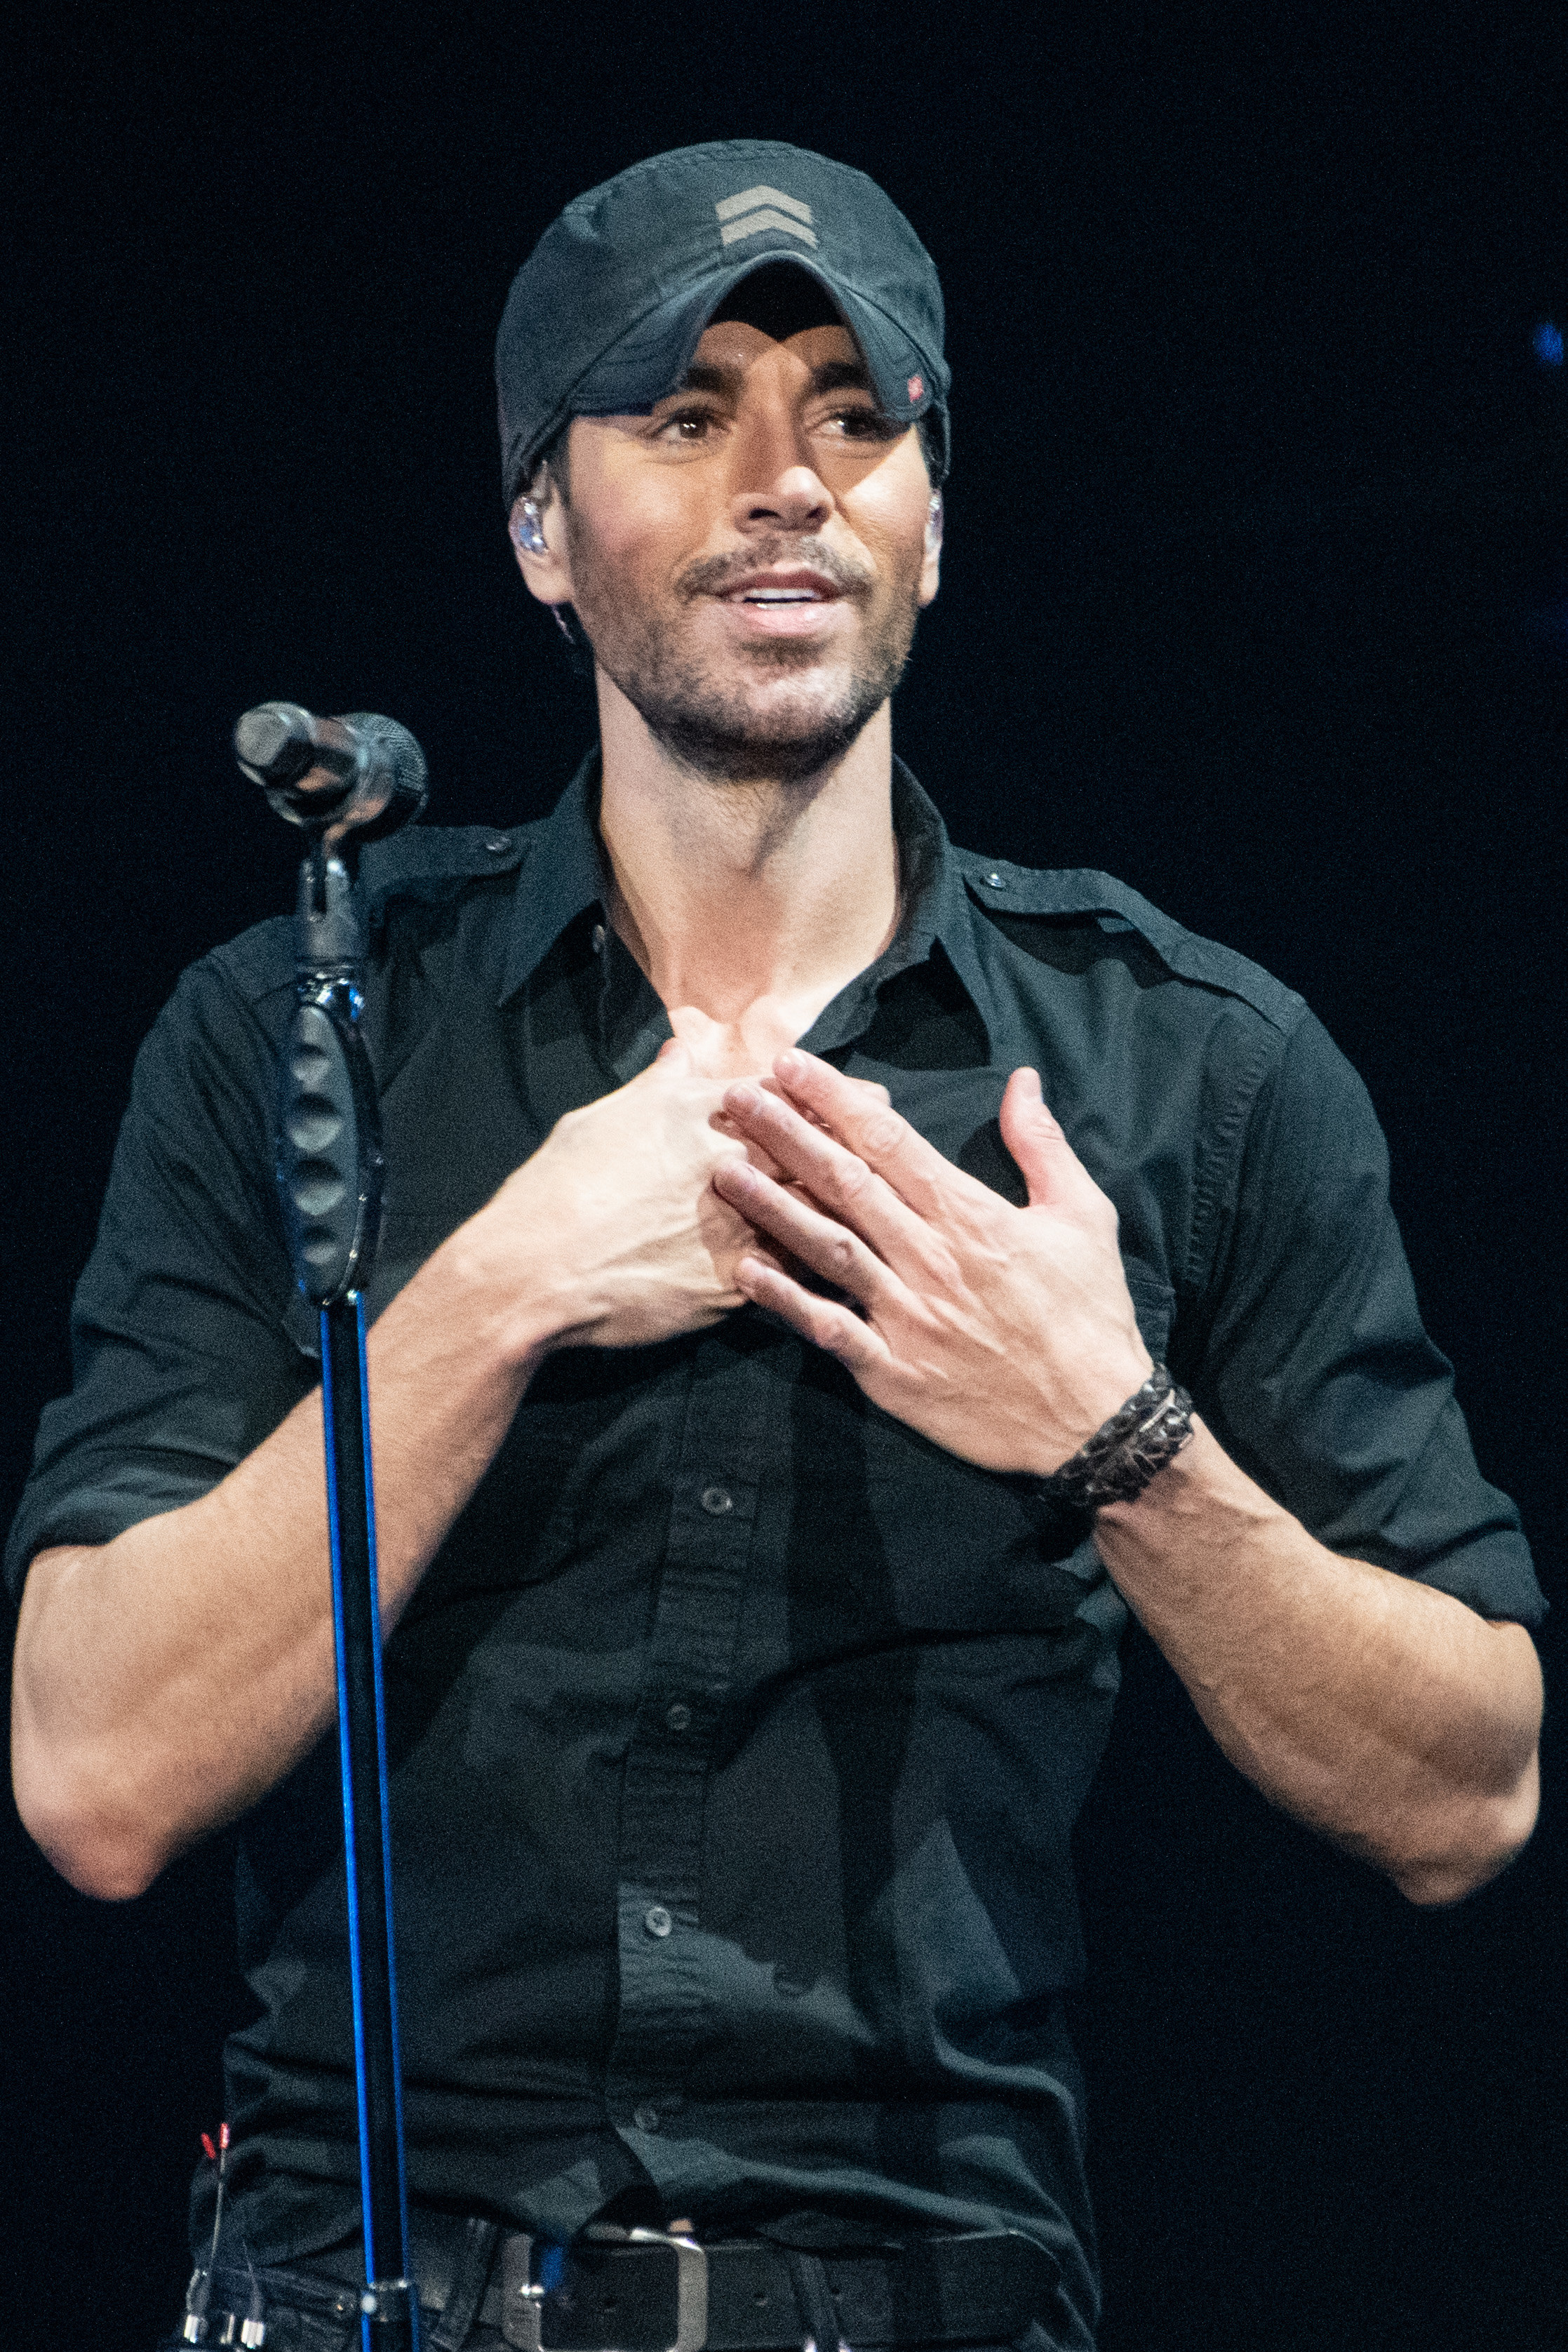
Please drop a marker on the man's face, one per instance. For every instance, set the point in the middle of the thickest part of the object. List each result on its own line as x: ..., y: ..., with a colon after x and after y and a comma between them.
x: 748, y: 561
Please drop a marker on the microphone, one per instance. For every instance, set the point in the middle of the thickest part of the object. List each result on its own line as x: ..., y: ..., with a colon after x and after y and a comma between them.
x: 361, y: 774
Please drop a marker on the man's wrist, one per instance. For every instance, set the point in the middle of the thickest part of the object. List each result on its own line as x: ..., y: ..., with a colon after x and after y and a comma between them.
x: 1128, y: 1450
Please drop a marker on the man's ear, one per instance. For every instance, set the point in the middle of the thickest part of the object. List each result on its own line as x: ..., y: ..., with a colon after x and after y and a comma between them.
x: 537, y: 530
x: 931, y: 569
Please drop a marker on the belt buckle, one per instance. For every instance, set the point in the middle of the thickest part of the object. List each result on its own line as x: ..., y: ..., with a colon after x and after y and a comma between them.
x: 522, y: 2302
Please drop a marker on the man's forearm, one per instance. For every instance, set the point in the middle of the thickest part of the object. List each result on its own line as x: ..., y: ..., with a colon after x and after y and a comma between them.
x: 164, y: 1680
x: 1382, y: 1712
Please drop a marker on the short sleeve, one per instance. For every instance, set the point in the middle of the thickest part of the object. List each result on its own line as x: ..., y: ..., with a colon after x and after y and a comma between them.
x: 1312, y: 1365
x: 181, y: 1358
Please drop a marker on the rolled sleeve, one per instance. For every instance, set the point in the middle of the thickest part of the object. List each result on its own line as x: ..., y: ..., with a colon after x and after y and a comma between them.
x: 1315, y: 1370
x: 181, y: 1358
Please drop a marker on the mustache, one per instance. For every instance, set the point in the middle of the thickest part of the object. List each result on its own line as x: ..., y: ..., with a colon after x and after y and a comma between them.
x: 713, y: 575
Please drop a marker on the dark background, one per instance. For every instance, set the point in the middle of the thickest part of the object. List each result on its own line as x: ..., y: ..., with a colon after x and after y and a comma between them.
x: 1256, y: 593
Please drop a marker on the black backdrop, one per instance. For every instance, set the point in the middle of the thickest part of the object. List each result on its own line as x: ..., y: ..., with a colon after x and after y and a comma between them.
x: 1256, y: 593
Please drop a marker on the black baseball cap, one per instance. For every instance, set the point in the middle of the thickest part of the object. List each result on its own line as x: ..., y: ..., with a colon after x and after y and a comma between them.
x: 605, y: 314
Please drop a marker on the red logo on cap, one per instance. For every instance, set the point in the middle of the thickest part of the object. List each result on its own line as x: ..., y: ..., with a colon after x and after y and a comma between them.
x: 917, y: 387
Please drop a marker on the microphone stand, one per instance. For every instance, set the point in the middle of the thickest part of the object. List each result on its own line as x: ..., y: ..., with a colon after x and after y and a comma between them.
x: 329, y: 1169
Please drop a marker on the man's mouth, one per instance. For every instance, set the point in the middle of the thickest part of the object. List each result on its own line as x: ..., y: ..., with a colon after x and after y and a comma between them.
x: 775, y: 588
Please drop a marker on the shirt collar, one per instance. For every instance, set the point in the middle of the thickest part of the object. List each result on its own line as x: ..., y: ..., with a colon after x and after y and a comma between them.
x: 560, y: 878
x: 563, y: 877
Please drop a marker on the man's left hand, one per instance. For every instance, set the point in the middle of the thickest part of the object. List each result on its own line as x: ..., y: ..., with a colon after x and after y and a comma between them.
x: 1005, y: 1335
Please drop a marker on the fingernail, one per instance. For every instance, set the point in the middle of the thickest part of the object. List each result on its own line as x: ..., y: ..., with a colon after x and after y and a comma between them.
x: 742, y: 1097
x: 789, y: 1064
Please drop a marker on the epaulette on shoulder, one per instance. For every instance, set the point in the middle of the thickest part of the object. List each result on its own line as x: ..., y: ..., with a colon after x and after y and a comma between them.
x: 1003, y: 889
x: 421, y: 862
x: 426, y: 860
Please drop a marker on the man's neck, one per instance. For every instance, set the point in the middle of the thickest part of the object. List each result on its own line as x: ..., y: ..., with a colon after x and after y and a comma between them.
x: 748, y: 905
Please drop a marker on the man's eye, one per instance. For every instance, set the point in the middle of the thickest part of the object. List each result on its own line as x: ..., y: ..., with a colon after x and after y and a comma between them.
x: 684, y: 424
x: 862, y: 425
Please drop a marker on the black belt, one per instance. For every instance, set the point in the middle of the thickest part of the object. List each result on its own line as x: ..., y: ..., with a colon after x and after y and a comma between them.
x: 646, y: 2291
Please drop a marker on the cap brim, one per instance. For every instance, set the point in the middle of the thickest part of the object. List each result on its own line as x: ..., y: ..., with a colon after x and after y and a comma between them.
x: 649, y: 362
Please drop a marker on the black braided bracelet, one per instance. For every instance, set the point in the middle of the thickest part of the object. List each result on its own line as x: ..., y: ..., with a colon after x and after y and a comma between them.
x: 1117, y: 1462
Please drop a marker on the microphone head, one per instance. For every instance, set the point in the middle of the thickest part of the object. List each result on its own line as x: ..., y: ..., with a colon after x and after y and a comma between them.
x: 397, y: 780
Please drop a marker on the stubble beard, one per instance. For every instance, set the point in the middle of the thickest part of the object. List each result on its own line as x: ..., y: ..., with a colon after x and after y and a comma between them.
x: 710, y: 721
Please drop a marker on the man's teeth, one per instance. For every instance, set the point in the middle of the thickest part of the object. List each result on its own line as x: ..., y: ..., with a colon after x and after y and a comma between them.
x: 780, y: 596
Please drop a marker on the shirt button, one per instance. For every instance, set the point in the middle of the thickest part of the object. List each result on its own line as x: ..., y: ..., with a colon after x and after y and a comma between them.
x: 598, y: 939
x: 498, y: 845
x: 997, y: 881
x: 679, y: 1717
x: 657, y: 1920
x: 646, y: 2118
x: 716, y: 1500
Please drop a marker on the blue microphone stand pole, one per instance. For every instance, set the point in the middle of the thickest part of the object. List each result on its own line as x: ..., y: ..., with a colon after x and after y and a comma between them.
x: 329, y: 1169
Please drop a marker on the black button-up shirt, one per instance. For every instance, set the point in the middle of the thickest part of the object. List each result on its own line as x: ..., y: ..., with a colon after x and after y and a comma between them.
x: 737, y: 1732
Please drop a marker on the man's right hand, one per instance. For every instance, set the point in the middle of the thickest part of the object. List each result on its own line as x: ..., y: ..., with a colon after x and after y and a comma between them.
x: 612, y: 1236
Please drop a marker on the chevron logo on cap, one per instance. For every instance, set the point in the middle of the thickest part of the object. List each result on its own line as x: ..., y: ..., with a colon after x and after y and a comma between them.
x: 756, y: 209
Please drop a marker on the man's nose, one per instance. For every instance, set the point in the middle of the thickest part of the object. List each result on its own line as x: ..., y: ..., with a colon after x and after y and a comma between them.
x: 795, y: 498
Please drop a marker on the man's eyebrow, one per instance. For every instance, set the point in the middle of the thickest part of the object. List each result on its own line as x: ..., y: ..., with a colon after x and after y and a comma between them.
x: 841, y: 375
x: 703, y: 376
x: 832, y: 375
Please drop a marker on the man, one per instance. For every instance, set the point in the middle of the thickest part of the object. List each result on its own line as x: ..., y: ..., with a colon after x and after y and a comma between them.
x: 770, y: 1407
